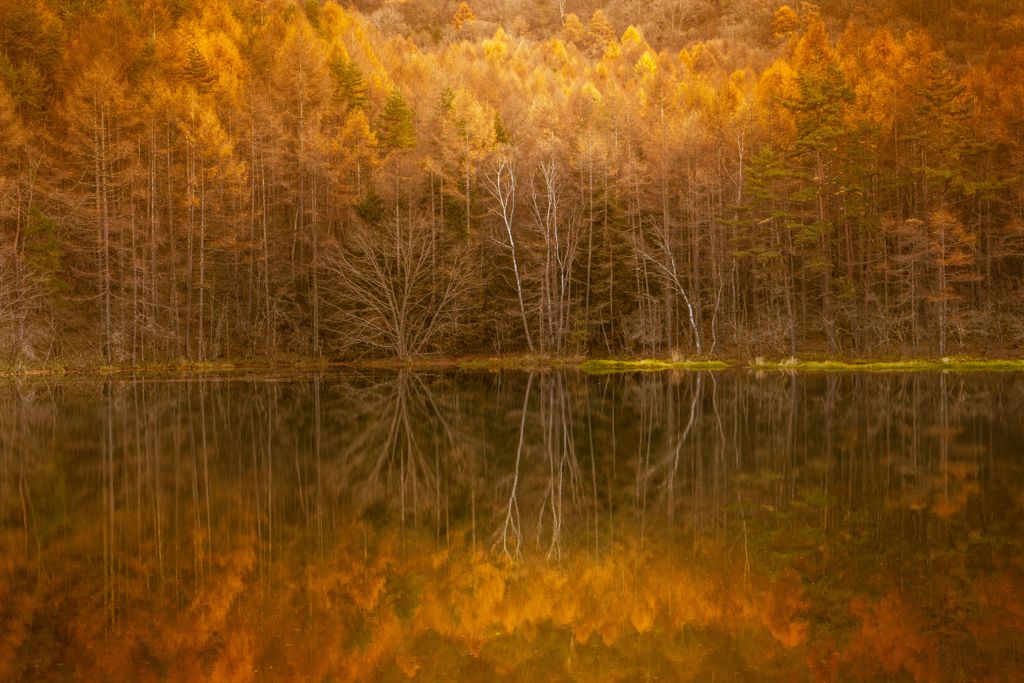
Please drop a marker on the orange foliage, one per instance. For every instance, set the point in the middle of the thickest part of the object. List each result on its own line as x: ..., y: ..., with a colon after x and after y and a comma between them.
x: 463, y: 15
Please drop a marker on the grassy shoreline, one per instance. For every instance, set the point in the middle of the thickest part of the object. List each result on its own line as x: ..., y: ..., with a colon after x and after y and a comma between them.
x: 519, y: 362
x: 955, y: 364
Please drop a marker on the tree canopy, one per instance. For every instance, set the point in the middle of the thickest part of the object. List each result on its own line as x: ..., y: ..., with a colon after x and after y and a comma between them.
x: 185, y: 179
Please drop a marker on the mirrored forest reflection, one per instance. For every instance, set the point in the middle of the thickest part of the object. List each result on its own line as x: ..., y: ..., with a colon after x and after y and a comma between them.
x: 456, y: 526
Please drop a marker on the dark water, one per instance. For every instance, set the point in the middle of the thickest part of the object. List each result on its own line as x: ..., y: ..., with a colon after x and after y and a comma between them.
x: 514, y: 526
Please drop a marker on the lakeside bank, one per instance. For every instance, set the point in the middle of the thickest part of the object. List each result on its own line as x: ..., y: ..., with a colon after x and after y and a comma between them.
x: 517, y: 362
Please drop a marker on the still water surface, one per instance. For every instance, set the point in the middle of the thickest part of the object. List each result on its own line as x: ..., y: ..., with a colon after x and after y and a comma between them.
x: 513, y: 526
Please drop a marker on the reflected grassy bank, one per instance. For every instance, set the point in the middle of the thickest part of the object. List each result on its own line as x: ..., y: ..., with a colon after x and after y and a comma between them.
x: 456, y: 526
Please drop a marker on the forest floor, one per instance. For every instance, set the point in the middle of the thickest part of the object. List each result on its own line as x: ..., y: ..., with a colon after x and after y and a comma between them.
x: 514, y: 362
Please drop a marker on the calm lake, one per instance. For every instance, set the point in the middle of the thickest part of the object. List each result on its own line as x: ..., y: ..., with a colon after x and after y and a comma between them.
x: 546, y: 526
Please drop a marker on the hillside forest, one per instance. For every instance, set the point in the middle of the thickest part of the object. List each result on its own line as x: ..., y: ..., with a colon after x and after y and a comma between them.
x: 209, y: 179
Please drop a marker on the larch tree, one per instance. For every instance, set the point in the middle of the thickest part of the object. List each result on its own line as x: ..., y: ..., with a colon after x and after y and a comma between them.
x: 463, y: 15
x: 302, y: 86
x: 600, y: 33
x: 951, y: 251
x: 998, y: 86
x: 469, y: 136
x: 671, y: 242
x: 12, y: 141
x: 29, y: 248
x: 355, y: 148
x: 98, y: 115
x: 573, y: 30
x: 209, y: 166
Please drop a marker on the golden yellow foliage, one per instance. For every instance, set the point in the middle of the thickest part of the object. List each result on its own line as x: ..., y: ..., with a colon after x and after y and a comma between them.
x: 814, y: 49
x: 496, y: 48
x: 777, y: 84
x: 785, y: 21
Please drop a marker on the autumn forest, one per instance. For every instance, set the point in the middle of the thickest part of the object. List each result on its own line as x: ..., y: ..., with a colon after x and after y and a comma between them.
x: 204, y: 179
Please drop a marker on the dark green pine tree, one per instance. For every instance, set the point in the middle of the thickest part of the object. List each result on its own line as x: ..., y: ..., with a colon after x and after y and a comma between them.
x: 767, y: 244
x: 940, y: 135
x: 44, y: 252
x: 445, y: 103
x: 501, y: 134
x: 396, y: 131
x: 349, y: 86
x: 817, y: 166
x: 371, y: 208
x: 951, y: 188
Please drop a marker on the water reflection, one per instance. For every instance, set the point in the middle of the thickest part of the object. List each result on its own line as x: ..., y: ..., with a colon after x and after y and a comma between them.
x: 378, y: 526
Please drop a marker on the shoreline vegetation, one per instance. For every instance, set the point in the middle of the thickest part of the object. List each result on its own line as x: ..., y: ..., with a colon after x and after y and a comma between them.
x: 593, y: 366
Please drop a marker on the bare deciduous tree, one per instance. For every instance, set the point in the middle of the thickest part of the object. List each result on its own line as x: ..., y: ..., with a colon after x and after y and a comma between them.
x: 502, y: 186
x: 662, y: 257
x: 559, y: 239
x: 388, y: 295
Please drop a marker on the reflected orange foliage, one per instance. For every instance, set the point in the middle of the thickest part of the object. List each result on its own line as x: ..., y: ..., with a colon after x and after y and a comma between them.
x: 783, y: 604
x: 894, y: 636
x: 955, y: 485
